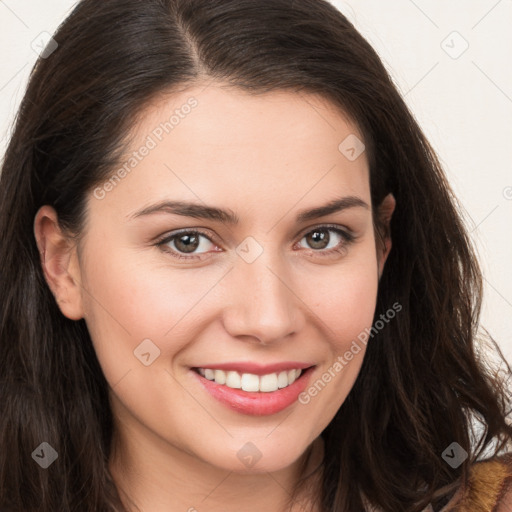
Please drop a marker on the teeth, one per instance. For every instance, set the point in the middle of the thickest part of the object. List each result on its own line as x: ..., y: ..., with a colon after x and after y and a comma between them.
x: 268, y: 382
x: 282, y: 380
x: 249, y: 381
x: 233, y: 380
x: 220, y: 376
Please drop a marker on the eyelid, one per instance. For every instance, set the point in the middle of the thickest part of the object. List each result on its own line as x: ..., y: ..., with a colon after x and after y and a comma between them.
x: 177, y: 232
x: 207, y: 233
x: 348, y: 236
x: 171, y: 235
x: 346, y: 233
x: 337, y: 227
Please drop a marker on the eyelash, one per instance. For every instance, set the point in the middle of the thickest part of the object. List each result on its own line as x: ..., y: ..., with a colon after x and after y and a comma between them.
x: 348, y: 238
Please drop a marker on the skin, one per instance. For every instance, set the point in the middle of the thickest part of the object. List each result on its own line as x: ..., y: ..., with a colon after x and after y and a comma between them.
x: 265, y: 158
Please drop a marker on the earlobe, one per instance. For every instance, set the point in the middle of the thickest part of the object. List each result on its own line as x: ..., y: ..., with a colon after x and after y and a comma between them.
x: 385, y: 212
x: 59, y: 262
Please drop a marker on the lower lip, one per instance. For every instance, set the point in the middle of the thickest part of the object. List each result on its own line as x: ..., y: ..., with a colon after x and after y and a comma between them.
x: 256, y: 403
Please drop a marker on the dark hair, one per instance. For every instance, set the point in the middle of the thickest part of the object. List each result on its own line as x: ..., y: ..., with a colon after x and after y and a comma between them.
x: 422, y: 380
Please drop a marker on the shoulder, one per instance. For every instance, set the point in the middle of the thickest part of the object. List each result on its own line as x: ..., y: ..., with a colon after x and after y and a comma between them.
x: 490, y: 486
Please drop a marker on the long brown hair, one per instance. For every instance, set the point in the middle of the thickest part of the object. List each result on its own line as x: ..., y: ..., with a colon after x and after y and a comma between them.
x: 422, y: 381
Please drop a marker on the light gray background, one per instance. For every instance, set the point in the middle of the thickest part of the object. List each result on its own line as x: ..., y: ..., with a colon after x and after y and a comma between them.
x: 462, y: 99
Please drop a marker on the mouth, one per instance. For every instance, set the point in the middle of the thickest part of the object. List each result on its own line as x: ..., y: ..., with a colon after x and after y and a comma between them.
x: 251, y: 382
x: 262, y: 391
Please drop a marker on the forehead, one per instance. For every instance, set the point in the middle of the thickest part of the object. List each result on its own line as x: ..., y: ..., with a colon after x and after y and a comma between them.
x: 222, y: 144
x: 224, y: 116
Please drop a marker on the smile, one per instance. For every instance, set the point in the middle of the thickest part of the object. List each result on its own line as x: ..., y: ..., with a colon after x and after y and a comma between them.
x: 255, y: 390
x: 251, y: 382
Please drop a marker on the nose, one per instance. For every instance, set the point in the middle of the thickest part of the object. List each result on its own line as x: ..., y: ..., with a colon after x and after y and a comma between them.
x: 262, y: 306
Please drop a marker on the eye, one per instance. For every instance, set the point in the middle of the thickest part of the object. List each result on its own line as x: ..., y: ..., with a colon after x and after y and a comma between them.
x: 186, y: 242
x: 319, y: 239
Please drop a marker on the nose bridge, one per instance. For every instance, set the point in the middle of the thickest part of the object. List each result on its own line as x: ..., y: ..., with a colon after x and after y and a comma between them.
x: 263, y: 306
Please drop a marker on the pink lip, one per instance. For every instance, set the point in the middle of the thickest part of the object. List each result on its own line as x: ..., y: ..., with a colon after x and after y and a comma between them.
x: 258, y: 369
x: 256, y: 403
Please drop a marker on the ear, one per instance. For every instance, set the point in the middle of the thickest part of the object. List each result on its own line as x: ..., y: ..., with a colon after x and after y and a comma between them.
x: 59, y: 261
x: 385, y: 212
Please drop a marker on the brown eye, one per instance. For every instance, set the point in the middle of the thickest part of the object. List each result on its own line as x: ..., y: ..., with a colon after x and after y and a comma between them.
x: 320, y: 238
x: 187, y: 242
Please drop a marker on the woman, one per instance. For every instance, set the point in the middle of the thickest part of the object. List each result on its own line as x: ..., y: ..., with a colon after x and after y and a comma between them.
x: 234, y: 276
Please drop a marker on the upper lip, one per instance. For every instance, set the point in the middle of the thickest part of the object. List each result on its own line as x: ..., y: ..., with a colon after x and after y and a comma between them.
x: 257, y: 369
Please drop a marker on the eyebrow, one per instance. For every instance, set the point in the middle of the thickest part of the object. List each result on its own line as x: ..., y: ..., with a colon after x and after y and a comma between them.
x: 227, y: 216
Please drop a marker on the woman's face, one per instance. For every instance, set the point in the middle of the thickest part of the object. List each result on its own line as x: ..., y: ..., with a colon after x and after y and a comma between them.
x: 262, y: 290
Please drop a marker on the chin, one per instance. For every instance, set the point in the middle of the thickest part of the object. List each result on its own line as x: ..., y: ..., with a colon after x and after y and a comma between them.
x: 261, y: 455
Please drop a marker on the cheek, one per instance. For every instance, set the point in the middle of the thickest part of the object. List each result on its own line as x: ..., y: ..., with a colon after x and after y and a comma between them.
x: 345, y: 299
x: 356, y: 305
x: 347, y: 308
x: 127, y: 302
